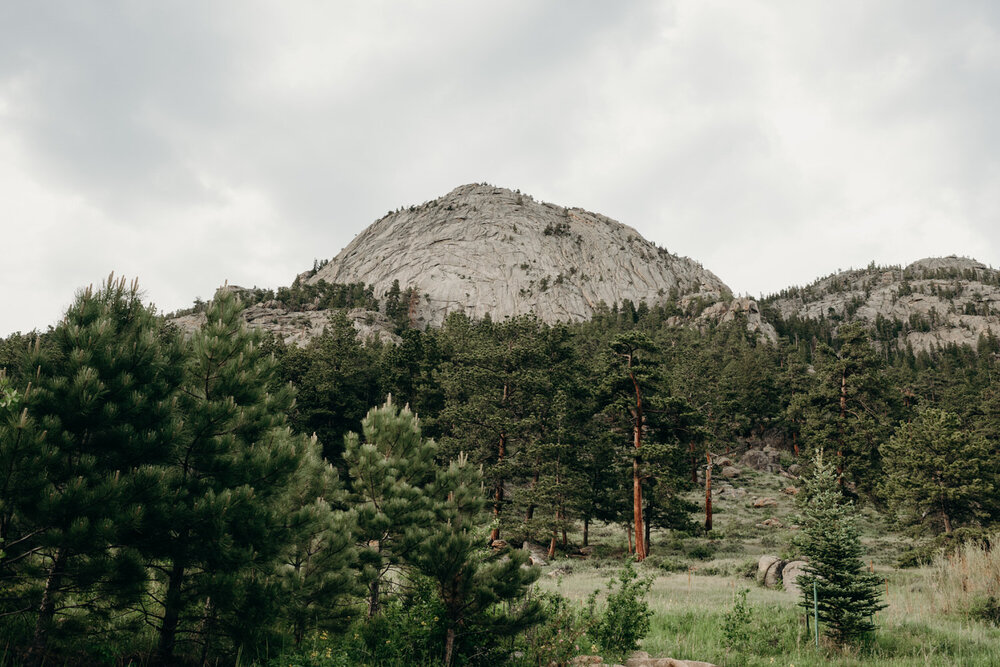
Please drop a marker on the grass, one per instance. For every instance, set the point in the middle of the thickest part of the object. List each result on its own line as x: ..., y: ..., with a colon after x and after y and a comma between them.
x: 945, y: 613
x: 689, y: 612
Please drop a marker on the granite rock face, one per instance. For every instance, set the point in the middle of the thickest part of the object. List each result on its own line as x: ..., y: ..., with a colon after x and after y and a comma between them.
x: 937, y: 301
x: 483, y: 250
x: 296, y: 327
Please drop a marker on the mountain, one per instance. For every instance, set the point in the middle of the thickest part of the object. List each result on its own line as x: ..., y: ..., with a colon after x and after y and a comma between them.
x: 933, y: 302
x: 483, y: 250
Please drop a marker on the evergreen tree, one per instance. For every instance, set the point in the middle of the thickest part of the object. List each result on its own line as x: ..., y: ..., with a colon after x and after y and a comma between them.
x: 336, y: 382
x: 217, y: 527
x: 847, y: 595
x: 317, y: 576
x: 483, y: 591
x: 102, y: 396
x: 495, y: 384
x: 850, y: 408
x: 388, y: 474
x: 629, y: 381
x: 937, y: 472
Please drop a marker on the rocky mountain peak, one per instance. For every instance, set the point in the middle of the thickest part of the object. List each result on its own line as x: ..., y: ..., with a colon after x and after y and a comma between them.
x: 933, y: 302
x: 484, y: 250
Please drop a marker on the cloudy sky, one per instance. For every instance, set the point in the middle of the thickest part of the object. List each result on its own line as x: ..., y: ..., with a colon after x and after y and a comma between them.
x: 190, y: 143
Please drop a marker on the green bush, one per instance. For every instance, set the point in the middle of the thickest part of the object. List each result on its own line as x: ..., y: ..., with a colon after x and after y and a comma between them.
x: 737, y: 628
x: 624, y: 621
x: 701, y: 551
x: 985, y: 608
x: 560, y: 637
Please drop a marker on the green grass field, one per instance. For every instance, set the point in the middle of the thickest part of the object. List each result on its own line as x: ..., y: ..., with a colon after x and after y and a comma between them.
x: 927, y: 621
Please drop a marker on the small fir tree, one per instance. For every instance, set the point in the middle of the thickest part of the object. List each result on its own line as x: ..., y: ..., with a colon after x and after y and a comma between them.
x: 483, y: 590
x: 847, y: 595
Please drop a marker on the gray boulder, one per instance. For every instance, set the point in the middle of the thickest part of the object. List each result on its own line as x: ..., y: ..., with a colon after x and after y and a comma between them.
x: 763, y: 565
x: 791, y: 572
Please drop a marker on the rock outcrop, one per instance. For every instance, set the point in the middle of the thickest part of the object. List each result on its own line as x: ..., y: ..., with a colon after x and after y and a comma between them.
x: 483, y: 250
x: 932, y: 302
x: 297, y: 327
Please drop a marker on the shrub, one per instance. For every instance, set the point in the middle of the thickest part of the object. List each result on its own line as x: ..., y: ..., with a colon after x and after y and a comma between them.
x: 560, y: 637
x: 736, y: 626
x: 624, y: 621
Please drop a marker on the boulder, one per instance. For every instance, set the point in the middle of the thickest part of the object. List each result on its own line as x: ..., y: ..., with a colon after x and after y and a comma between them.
x: 773, y: 575
x: 642, y: 659
x: 755, y: 459
x: 729, y: 472
x: 763, y: 565
x: 770, y: 523
x: 790, y: 490
x: 764, y: 502
x: 722, y: 461
x: 795, y: 469
x: 788, y: 576
x: 586, y: 660
x: 537, y: 553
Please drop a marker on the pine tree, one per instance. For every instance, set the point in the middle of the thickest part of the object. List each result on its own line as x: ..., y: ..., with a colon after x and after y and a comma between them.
x: 318, y: 581
x: 217, y: 528
x: 389, y: 472
x: 102, y: 394
x: 483, y: 590
x: 629, y: 381
x: 938, y: 472
x: 851, y: 409
x: 336, y: 382
x: 847, y: 595
x: 495, y: 383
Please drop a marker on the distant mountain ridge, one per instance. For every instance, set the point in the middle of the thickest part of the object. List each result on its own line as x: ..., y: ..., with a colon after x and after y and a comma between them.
x: 933, y: 302
x: 485, y: 250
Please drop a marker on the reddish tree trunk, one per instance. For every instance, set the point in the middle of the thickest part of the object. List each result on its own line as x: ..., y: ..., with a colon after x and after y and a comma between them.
x: 708, y: 494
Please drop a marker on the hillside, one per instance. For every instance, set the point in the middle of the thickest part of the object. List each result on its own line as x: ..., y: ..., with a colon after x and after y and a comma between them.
x: 487, y: 250
x: 932, y: 302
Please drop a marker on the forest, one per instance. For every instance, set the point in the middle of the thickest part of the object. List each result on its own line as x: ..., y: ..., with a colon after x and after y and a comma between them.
x: 222, y: 498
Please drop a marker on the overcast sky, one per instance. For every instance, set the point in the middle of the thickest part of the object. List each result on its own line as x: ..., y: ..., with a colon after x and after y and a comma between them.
x: 190, y: 143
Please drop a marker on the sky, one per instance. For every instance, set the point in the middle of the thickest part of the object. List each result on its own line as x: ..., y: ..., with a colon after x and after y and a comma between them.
x: 188, y: 144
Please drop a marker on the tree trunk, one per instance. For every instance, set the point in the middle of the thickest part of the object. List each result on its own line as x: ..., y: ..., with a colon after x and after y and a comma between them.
x: 530, y: 513
x: 498, y: 489
x: 586, y: 532
x: 646, y: 528
x: 47, y: 608
x: 205, y: 629
x: 373, y: 595
x: 947, y: 522
x: 171, y: 615
x: 843, y: 417
x: 628, y: 534
x: 708, y: 494
x: 552, y: 546
x: 449, y: 645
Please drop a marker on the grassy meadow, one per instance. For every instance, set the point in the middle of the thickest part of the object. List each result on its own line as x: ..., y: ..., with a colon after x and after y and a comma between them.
x: 937, y: 614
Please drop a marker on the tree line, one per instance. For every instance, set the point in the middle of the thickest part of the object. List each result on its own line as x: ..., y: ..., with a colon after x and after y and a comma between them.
x: 223, y: 492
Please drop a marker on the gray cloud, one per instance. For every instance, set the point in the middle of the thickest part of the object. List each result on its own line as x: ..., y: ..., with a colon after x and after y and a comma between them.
x: 190, y: 143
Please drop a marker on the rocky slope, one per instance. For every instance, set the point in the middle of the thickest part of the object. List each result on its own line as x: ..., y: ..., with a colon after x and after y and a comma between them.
x: 931, y: 302
x: 487, y: 250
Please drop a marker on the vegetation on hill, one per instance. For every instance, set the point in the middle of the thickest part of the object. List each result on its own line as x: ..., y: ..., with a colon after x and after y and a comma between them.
x: 170, y: 499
